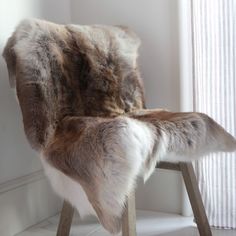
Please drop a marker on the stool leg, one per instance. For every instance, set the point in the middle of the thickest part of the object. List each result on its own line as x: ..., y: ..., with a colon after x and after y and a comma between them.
x: 65, y: 220
x: 129, y: 217
x: 195, y: 199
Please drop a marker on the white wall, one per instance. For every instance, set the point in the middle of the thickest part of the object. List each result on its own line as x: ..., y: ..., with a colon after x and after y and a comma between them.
x: 19, y: 165
x: 156, y: 22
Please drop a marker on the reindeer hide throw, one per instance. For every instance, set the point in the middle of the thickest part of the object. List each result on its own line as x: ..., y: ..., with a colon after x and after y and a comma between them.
x: 82, y: 102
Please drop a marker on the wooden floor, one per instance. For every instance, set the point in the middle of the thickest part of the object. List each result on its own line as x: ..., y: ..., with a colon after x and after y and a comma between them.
x: 148, y: 224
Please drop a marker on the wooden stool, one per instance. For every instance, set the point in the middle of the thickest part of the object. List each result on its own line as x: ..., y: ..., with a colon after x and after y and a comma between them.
x: 129, y: 216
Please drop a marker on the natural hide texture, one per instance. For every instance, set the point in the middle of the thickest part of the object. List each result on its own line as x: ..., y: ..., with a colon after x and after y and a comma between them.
x: 82, y: 104
x: 106, y: 155
x: 72, y: 70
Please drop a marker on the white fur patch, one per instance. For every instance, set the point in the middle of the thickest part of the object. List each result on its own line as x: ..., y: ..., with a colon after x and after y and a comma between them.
x: 68, y: 189
x: 159, y: 155
x: 143, y: 138
x: 140, y: 137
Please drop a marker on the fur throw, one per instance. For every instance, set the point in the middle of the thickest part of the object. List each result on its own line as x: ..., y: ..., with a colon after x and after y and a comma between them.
x: 82, y: 103
x: 72, y: 71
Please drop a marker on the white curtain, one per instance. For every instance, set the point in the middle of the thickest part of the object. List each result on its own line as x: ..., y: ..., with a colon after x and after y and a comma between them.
x: 214, y: 60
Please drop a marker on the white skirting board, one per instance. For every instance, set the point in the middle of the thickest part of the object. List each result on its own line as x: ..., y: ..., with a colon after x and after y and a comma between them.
x: 26, y: 201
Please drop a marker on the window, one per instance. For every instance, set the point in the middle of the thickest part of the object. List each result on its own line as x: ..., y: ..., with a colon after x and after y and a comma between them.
x: 214, y: 66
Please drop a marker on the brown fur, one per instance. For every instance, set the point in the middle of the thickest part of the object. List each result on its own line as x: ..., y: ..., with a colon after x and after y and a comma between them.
x: 81, y: 98
x: 67, y: 72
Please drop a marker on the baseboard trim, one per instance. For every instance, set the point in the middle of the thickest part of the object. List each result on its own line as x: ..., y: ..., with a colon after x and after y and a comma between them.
x: 21, y: 181
x: 26, y: 201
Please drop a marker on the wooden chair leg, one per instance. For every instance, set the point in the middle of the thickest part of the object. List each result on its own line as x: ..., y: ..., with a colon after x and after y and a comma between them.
x: 195, y: 199
x: 65, y: 220
x: 129, y: 217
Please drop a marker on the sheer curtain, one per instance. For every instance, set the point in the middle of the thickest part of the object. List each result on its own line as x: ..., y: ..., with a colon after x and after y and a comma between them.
x: 214, y: 52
